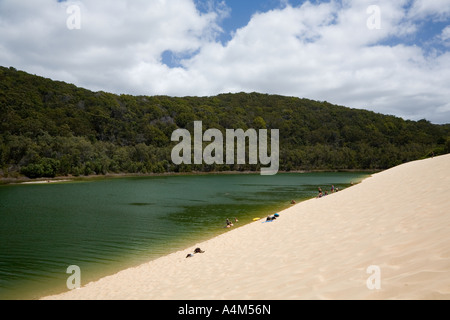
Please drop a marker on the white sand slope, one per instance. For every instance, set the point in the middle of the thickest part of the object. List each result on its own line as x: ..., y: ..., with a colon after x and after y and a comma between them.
x: 397, y: 220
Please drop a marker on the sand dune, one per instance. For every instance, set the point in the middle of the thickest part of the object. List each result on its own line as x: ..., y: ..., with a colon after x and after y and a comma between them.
x: 397, y: 220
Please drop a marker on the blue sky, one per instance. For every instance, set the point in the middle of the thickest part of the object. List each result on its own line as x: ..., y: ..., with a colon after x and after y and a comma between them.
x: 239, y: 15
x: 242, y: 11
x: 321, y: 50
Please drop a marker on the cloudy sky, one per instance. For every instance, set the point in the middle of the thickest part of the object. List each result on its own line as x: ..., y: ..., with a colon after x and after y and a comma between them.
x: 391, y: 57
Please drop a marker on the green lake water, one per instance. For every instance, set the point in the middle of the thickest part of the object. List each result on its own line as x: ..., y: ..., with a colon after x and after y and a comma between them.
x: 106, y: 225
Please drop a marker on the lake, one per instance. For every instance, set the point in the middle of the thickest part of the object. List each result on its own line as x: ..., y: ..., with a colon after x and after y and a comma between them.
x: 106, y: 225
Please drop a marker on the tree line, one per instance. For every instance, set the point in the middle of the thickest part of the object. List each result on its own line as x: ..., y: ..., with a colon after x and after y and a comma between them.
x: 51, y: 128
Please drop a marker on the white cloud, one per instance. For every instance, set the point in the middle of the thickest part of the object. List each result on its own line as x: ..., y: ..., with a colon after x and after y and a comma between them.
x: 326, y: 52
x: 437, y: 9
x: 319, y: 51
x: 114, y: 36
x: 445, y: 35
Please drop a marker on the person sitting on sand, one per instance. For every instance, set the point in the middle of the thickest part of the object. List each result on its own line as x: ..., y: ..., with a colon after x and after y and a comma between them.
x: 320, y: 193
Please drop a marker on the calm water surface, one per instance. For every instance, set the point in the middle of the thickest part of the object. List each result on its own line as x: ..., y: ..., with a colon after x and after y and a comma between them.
x: 107, y: 225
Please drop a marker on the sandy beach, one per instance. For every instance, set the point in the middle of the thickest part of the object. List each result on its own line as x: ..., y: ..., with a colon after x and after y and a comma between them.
x: 45, y: 181
x: 385, y: 238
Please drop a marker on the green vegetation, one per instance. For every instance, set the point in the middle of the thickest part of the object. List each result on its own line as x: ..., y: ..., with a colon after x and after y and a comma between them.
x: 51, y: 128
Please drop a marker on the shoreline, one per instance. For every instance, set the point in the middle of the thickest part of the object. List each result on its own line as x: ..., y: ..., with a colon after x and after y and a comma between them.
x: 134, y: 261
x: 317, y: 249
x: 245, y: 216
x: 60, y: 179
x: 45, y: 181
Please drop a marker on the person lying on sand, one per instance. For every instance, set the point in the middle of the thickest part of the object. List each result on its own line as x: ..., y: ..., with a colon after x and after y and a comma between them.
x: 272, y: 218
x: 197, y: 250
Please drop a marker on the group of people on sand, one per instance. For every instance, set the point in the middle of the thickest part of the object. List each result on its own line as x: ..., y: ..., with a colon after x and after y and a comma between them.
x: 272, y: 218
x: 325, y: 193
x: 198, y: 250
x: 230, y: 224
x: 322, y: 193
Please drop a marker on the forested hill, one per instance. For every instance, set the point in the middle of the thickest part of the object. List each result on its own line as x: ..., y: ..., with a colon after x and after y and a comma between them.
x: 51, y: 128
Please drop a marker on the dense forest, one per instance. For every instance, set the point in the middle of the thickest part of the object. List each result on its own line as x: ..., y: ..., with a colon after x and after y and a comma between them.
x: 50, y: 128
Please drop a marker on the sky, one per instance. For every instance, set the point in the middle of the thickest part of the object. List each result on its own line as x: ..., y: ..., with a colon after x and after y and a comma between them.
x: 391, y: 57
